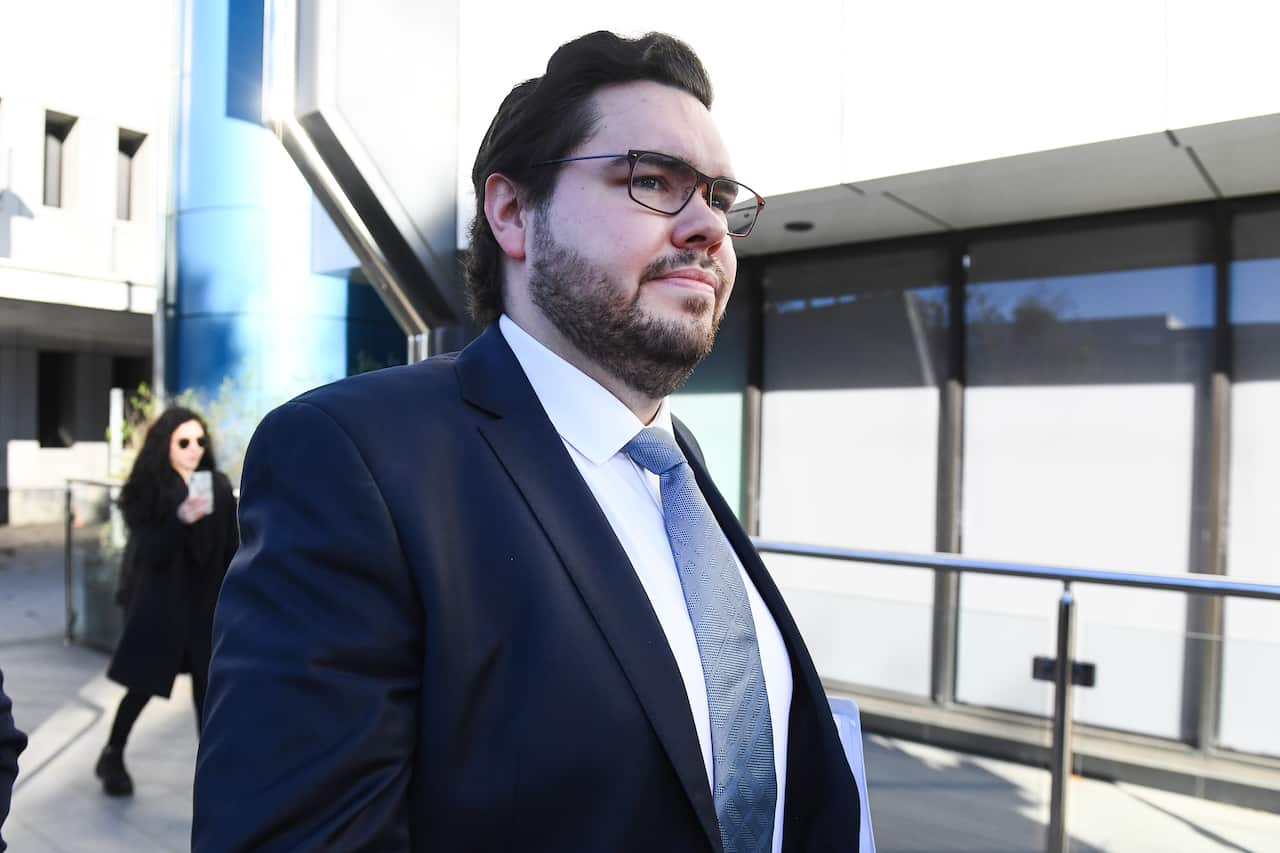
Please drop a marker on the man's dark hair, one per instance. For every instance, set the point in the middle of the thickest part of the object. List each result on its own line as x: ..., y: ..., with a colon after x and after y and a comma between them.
x: 549, y: 116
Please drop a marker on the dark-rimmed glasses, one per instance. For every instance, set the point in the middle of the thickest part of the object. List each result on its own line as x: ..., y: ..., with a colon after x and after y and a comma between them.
x: 665, y: 184
x: 184, y: 443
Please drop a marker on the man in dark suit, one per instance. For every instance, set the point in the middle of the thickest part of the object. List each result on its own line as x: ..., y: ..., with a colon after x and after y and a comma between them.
x: 12, y: 742
x: 493, y: 601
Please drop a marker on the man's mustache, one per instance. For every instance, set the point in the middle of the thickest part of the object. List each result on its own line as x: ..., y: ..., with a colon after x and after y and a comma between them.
x: 684, y: 260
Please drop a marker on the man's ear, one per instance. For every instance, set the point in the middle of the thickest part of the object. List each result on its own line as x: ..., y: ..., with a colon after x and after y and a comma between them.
x: 507, y: 215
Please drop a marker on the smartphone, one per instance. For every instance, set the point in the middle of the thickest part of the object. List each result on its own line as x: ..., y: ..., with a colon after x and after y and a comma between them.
x: 201, y: 485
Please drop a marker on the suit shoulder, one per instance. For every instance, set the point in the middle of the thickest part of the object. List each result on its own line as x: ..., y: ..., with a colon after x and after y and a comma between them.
x: 391, y: 387
x: 435, y: 373
x: 421, y: 392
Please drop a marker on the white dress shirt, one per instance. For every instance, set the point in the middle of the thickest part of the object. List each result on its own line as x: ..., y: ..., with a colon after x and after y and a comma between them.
x: 595, y: 426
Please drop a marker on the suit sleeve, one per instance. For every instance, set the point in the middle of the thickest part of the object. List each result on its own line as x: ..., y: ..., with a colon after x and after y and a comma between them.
x: 12, y: 742
x: 311, y: 712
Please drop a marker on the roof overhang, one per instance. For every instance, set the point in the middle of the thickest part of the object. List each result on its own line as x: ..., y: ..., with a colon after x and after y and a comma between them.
x: 1235, y: 158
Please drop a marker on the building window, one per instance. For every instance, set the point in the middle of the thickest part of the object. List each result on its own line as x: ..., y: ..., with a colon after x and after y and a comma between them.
x: 57, y: 133
x: 1086, y: 416
x: 855, y: 355
x: 55, y: 410
x: 126, y: 179
x: 1249, y: 648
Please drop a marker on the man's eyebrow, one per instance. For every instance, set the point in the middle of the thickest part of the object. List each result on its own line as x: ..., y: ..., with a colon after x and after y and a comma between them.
x: 689, y: 160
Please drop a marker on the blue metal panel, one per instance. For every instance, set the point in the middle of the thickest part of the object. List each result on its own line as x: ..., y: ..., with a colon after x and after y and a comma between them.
x: 247, y: 304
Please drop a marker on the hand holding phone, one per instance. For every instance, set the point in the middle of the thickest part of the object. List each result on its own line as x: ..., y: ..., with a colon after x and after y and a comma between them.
x: 201, y: 486
x: 199, y: 502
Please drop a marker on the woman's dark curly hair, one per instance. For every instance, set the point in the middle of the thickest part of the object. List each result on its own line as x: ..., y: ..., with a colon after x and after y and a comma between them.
x: 549, y: 116
x: 153, y: 460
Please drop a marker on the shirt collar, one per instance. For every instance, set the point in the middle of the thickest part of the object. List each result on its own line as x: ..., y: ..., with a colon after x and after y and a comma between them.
x: 585, y: 414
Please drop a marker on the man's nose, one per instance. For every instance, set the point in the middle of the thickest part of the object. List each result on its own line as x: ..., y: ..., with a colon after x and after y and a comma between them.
x: 698, y: 225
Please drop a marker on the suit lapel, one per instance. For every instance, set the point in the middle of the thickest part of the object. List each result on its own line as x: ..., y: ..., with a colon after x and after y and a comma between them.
x: 532, y: 453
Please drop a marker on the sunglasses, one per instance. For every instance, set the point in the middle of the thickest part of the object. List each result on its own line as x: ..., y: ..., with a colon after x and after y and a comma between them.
x: 184, y: 443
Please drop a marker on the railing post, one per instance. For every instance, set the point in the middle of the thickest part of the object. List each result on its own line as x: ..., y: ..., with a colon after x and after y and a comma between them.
x: 1060, y: 765
x: 66, y: 566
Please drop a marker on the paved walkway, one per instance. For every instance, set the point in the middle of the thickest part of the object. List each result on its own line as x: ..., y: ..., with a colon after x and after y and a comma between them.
x: 922, y: 798
x: 58, y: 805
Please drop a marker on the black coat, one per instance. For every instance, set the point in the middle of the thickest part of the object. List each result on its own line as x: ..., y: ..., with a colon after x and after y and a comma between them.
x: 12, y: 742
x: 170, y: 580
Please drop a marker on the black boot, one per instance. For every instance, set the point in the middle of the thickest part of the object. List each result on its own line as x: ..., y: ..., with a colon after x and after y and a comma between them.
x: 110, y: 769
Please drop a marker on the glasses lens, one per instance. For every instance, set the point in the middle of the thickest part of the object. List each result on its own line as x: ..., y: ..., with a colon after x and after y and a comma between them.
x: 739, y: 205
x: 662, y: 183
x: 665, y: 185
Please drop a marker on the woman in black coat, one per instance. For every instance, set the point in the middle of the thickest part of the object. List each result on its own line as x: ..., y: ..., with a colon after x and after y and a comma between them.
x: 180, y: 543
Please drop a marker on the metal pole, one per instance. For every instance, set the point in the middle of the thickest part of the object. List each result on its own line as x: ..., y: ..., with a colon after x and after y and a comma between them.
x: 946, y: 585
x: 70, y: 614
x: 419, y: 346
x: 1209, y: 611
x: 751, y: 292
x: 1060, y: 766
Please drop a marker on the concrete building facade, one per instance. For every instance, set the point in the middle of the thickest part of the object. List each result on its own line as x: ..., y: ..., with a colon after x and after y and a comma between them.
x: 153, y: 230
x: 85, y: 91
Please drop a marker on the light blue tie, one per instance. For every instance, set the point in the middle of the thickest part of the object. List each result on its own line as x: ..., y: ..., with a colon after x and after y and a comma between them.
x: 744, y: 786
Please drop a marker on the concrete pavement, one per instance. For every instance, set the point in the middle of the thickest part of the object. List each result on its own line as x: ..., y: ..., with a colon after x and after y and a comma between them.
x: 58, y: 805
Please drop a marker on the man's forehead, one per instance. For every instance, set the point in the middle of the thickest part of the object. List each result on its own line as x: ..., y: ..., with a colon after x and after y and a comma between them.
x: 656, y: 117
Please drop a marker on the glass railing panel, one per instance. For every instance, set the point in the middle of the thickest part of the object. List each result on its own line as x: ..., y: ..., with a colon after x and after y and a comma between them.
x: 1137, y: 640
x: 1127, y: 816
x: 865, y: 625
x: 98, y: 539
x: 999, y: 633
x: 1250, y: 705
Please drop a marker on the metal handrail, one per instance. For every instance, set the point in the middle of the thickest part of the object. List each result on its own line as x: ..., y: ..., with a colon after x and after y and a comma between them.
x: 1060, y: 757
x: 1211, y: 584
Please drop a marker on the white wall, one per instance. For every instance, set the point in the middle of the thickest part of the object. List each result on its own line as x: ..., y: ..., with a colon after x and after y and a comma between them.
x: 831, y: 92
x: 38, y: 476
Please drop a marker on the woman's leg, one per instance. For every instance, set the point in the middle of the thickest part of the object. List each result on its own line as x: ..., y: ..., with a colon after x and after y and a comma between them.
x: 126, y: 715
x: 110, y: 766
x: 199, y: 684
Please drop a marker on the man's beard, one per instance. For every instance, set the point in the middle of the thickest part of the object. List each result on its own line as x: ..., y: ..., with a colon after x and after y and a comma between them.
x: 651, y: 356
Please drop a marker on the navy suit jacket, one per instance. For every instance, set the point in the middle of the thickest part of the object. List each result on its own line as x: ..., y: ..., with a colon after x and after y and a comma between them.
x: 12, y: 742
x: 430, y: 639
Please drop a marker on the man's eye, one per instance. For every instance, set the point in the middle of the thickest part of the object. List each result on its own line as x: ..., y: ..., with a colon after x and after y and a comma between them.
x: 653, y: 183
x: 724, y: 201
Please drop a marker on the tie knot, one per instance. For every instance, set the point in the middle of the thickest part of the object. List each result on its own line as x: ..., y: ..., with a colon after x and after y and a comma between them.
x: 654, y: 450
